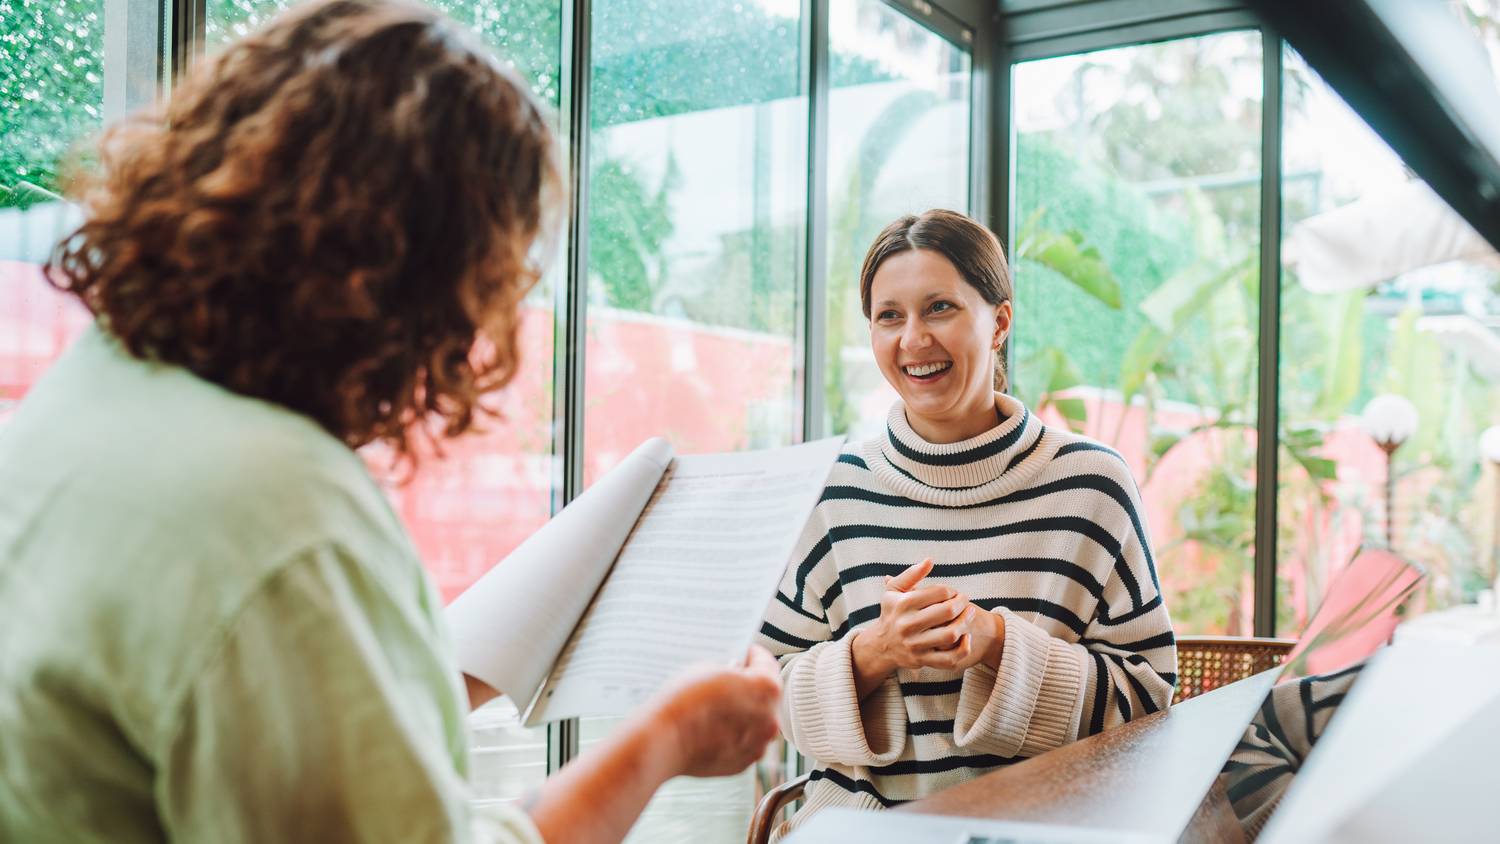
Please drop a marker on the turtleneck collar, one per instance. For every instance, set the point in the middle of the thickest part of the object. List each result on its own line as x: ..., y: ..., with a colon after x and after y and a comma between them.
x: 997, y: 462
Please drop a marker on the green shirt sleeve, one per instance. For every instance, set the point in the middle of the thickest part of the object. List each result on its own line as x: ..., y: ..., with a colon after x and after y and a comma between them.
x: 326, y: 712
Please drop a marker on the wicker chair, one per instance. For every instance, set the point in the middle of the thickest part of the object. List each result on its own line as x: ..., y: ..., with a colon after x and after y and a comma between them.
x: 768, y: 811
x: 1205, y: 663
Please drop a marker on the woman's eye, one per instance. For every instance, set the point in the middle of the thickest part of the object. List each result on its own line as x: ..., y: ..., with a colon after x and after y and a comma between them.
x: 939, y: 307
x: 886, y: 316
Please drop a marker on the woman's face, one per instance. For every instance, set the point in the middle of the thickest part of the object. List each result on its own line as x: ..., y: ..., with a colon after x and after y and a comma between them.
x: 935, y: 338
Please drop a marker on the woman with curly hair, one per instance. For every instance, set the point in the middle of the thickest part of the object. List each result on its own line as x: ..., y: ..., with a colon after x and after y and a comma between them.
x: 214, y: 626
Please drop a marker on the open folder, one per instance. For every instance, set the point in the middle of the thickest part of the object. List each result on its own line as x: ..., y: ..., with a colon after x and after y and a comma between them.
x: 664, y: 562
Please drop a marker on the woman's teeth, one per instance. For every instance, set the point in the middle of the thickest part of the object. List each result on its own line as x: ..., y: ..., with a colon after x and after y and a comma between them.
x: 927, y: 368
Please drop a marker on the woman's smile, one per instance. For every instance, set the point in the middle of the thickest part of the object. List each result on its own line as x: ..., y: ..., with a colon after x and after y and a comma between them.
x: 927, y: 373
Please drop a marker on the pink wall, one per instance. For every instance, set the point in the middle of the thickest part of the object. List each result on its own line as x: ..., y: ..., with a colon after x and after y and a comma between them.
x: 466, y: 509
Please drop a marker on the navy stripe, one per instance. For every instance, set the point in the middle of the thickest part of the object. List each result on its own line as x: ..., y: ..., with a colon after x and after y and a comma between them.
x: 814, y: 556
x: 941, y: 687
x: 1097, y: 483
x: 853, y: 460
x: 1009, y: 565
x: 1101, y: 684
x: 771, y: 631
x: 959, y: 458
x: 1242, y: 787
x: 1143, y: 609
x: 1072, y: 524
x: 1273, y: 723
x: 938, y: 766
x: 831, y: 595
x: 1030, y: 449
x: 1122, y: 704
x: 1330, y: 701
x: 1160, y: 640
x: 918, y: 480
x: 1344, y: 672
x: 853, y: 786
x: 1074, y: 448
x: 1135, y: 685
x: 929, y: 728
x: 1056, y: 612
x: 787, y: 602
x: 1140, y: 533
x: 856, y: 618
x: 1304, y: 691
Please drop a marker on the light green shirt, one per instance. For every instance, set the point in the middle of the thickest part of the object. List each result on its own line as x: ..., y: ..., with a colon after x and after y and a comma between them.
x: 213, y: 627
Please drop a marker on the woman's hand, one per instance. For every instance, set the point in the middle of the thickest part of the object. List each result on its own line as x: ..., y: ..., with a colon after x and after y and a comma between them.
x: 709, y: 722
x: 720, y: 719
x: 915, y: 626
x: 979, y: 638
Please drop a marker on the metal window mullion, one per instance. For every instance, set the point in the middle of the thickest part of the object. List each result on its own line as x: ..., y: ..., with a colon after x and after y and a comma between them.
x: 1268, y: 434
x: 815, y: 310
x: 1109, y: 37
x: 999, y: 205
x: 570, y: 303
x: 187, y: 36
x: 132, y: 55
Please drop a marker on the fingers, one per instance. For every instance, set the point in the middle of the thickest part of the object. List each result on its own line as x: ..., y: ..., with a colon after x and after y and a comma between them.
x: 759, y: 661
x: 958, y: 656
x: 906, y: 580
x: 937, y: 638
x: 911, y: 602
x: 935, y: 615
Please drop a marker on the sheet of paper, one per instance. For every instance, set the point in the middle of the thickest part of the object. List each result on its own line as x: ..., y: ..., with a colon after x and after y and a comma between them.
x: 694, y: 578
x: 509, y: 627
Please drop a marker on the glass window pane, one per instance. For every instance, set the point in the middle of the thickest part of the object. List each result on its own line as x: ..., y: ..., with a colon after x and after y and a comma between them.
x: 1385, y: 292
x: 492, y: 489
x: 698, y: 193
x: 898, y: 143
x: 51, y: 104
x: 1137, y: 212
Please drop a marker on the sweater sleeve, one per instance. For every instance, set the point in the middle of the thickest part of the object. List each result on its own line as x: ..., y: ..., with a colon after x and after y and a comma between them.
x: 1049, y: 690
x: 821, y: 713
x: 1277, y: 742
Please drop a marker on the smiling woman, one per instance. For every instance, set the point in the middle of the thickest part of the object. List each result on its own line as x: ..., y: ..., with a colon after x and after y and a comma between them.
x: 974, y: 588
x: 936, y: 335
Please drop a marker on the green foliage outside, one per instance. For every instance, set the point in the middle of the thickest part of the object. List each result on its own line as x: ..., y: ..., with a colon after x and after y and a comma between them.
x: 51, y: 90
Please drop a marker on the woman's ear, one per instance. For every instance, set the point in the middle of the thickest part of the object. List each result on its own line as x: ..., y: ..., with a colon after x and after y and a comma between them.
x: 1003, y: 315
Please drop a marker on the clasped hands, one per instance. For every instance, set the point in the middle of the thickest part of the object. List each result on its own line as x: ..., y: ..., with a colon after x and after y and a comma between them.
x: 924, y: 627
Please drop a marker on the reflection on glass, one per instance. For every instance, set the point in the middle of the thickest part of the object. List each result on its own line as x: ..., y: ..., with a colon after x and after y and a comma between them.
x: 697, y: 180
x: 1384, y: 290
x: 697, y: 198
x: 1357, y: 617
x: 1137, y: 211
x: 525, y: 34
x: 898, y: 143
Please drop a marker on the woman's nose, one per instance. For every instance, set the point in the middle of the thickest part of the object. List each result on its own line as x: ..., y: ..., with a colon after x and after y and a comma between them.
x: 915, y: 336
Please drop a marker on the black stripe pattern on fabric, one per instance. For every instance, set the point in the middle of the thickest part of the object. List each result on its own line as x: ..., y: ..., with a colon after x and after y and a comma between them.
x: 942, y: 687
x: 1009, y: 565
x: 929, y: 728
x: 1101, y: 686
x: 960, y: 458
x: 771, y: 631
x: 938, y: 766
x: 853, y: 786
x: 853, y: 460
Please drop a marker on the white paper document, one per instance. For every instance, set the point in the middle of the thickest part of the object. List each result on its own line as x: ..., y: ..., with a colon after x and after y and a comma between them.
x: 686, y: 579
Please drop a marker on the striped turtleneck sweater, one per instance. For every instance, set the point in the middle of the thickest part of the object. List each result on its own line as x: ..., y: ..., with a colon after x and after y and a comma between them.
x: 1037, y: 524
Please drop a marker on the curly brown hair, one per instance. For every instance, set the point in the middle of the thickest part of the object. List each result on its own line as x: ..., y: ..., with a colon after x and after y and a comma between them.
x: 337, y: 214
